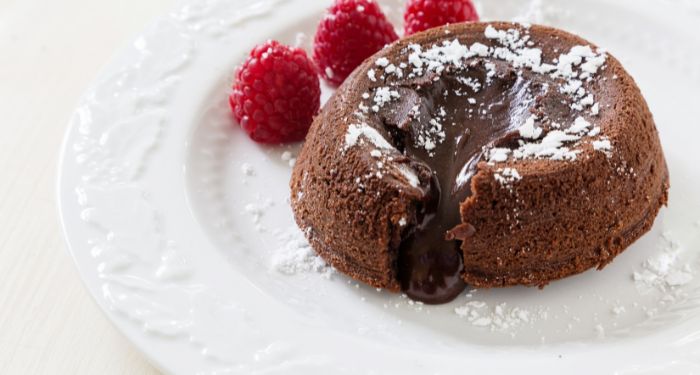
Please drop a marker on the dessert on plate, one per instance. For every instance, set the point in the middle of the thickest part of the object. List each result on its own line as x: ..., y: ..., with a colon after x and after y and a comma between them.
x: 487, y: 154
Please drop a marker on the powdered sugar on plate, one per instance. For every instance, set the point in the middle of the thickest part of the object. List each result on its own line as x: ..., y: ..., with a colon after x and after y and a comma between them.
x: 289, y: 158
x: 296, y: 256
x: 662, y: 271
x: 500, y: 317
x: 247, y: 169
x: 543, y: 14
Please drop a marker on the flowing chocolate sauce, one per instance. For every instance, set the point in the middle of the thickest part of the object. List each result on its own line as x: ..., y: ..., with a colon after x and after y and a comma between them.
x: 430, y: 265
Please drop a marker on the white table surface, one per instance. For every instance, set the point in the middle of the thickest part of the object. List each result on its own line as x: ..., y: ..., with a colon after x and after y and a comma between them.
x: 49, y: 52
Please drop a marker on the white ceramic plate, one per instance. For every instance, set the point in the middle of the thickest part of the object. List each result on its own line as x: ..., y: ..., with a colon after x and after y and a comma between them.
x: 180, y: 226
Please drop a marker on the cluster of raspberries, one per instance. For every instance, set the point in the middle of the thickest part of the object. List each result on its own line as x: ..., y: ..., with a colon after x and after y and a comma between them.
x: 277, y: 93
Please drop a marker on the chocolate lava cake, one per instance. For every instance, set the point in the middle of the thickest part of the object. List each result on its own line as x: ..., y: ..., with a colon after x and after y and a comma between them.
x: 481, y: 154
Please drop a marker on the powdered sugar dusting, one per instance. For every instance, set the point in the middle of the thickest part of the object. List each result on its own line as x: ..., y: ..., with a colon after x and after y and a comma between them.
x: 256, y: 210
x: 289, y: 158
x: 409, y: 174
x: 573, y: 68
x: 382, y: 96
x: 433, y: 135
x: 297, y: 256
x: 356, y: 133
x: 602, y: 145
x: 247, y: 169
x: 542, y: 14
x: 551, y: 146
x: 371, y: 74
x: 499, y: 317
x: 663, y: 271
x: 498, y: 154
x: 507, y: 176
x: 554, y: 144
x: 529, y: 130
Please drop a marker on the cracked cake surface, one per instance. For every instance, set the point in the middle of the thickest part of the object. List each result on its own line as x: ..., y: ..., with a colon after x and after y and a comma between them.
x: 487, y: 154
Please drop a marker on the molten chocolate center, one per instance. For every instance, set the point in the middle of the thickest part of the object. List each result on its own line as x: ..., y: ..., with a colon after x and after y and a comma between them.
x: 471, y: 117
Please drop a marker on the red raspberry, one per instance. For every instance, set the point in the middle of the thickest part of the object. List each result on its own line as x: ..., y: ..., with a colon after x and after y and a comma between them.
x: 425, y: 14
x: 276, y: 94
x: 351, y: 31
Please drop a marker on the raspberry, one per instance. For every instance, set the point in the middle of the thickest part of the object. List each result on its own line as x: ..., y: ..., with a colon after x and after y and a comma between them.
x: 425, y: 14
x: 351, y: 31
x: 276, y: 94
